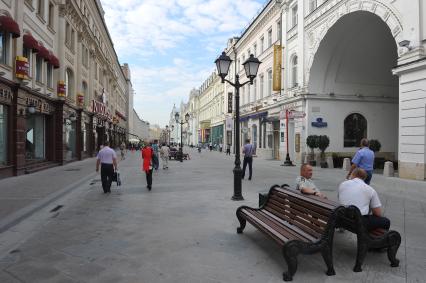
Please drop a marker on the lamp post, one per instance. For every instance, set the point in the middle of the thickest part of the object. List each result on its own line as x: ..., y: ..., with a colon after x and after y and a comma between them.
x: 251, y: 66
x: 181, y: 128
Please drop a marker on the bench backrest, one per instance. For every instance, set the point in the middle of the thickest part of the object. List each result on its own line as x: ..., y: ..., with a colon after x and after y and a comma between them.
x: 308, y: 214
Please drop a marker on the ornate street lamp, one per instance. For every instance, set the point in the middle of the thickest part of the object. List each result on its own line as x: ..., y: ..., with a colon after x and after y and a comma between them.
x: 181, y: 128
x: 251, y: 66
x: 31, y: 108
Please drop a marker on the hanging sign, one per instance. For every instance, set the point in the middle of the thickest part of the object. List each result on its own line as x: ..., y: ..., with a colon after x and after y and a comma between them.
x: 277, y: 68
x: 21, y: 67
x: 61, y: 89
x: 229, y: 102
x: 296, y: 114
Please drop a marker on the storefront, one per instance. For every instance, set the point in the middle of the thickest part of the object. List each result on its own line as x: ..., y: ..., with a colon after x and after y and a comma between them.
x: 35, y: 138
x: 217, y: 134
x: 6, y: 99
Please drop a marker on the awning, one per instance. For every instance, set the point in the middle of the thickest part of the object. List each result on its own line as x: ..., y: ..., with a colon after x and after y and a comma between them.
x: 8, y: 24
x: 53, y: 60
x: 30, y: 42
x: 254, y: 116
x: 43, y: 52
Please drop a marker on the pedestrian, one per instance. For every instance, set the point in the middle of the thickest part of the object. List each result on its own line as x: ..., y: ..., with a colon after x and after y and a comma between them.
x: 107, y: 159
x: 220, y: 147
x: 123, y: 150
x: 248, y: 158
x: 364, y: 159
x: 164, y: 154
x: 210, y: 146
x: 228, y: 149
x: 147, y: 153
x: 155, y: 160
x: 356, y: 192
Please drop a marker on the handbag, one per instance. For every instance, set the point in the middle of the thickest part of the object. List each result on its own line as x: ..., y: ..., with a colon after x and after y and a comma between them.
x: 116, y: 178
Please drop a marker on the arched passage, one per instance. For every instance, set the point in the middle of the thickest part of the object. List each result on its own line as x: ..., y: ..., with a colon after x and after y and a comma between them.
x: 353, y: 68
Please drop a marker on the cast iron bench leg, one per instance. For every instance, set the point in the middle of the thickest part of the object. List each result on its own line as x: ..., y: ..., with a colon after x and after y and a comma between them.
x: 327, y: 255
x: 361, y: 253
x: 394, y: 239
x: 290, y: 252
x: 242, y: 223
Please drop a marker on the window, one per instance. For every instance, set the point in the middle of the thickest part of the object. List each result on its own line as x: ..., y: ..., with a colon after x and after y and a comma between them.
x: 51, y: 15
x: 262, y: 44
x: 242, y: 95
x: 355, y: 129
x: 238, y: 65
x: 40, y: 9
x: 248, y: 53
x: 96, y: 70
x: 312, y: 5
x: 4, y: 48
x: 28, y: 54
x: 294, y: 71
x: 261, y: 78
x: 255, y: 50
x: 69, y: 83
x: 294, y: 16
x: 72, y: 39
x: 3, y: 134
x: 39, y: 69
x: 29, y: 2
x: 49, y: 77
x: 269, y: 82
x: 85, y: 56
x: 248, y: 93
x: 67, y: 34
x: 85, y: 92
x: 269, y: 37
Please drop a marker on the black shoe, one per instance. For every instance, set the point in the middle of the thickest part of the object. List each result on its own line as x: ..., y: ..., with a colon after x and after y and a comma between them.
x: 149, y: 188
x: 250, y: 179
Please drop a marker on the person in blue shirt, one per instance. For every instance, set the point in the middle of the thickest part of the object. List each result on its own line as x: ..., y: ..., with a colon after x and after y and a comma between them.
x: 364, y: 159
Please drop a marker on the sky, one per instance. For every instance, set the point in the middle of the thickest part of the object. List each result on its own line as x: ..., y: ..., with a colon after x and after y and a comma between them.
x: 171, y: 45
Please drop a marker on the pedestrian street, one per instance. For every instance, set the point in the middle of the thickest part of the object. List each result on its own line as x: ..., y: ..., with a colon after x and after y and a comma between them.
x: 184, y: 229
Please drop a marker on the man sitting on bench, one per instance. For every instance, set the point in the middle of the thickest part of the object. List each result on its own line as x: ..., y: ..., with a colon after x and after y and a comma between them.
x: 304, y: 182
x: 356, y: 192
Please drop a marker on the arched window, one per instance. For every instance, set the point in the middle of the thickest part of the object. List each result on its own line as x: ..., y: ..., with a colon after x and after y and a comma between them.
x: 85, y: 93
x: 69, y: 83
x: 355, y: 130
x: 294, y: 71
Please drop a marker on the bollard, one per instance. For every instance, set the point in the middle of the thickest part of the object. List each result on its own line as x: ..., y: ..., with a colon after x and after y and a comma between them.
x: 346, y: 164
x: 388, y: 170
x: 330, y: 162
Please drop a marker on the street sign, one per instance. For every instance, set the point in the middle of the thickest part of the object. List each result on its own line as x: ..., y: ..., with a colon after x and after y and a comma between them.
x: 296, y: 114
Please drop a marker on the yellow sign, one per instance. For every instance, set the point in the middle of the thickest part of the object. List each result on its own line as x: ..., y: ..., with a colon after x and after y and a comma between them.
x: 277, y: 68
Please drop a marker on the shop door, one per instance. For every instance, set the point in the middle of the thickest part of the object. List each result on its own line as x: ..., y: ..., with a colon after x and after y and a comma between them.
x: 35, y: 138
x: 276, y: 127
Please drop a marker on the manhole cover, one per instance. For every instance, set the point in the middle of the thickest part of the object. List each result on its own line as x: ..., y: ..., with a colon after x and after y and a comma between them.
x: 72, y: 169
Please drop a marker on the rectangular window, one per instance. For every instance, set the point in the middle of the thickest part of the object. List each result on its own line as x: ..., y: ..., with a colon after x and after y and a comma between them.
x: 248, y: 93
x: 312, y: 5
x: 72, y: 39
x: 242, y: 102
x: 269, y: 82
x: 278, y: 30
x: 261, y: 86
x: 49, y: 76
x: 3, y: 48
x: 67, y: 34
x: 39, y: 68
x: 40, y: 8
x: 248, y: 53
x: 51, y: 15
x: 294, y: 15
x: 255, y: 50
x: 254, y: 89
x: 262, y: 44
x: 96, y: 70
x: 269, y: 37
x: 3, y: 134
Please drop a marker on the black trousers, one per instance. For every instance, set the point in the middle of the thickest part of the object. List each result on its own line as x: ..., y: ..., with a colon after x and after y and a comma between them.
x: 107, y: 170
x: 149, y: 178
x: 249, y: 161
x: 372, y: 222
x: 228, y: 152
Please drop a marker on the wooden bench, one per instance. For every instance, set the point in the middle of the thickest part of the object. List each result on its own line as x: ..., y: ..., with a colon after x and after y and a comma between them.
x: 296, y: 222
x: 351, y: 220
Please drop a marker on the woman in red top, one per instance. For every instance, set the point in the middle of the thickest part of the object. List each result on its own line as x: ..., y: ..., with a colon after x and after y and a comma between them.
x: 147, y: 153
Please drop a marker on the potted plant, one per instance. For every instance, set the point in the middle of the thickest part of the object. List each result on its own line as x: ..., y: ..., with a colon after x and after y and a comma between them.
x: 323, y: 143
x: 312, y: 143
x: 375, y: 146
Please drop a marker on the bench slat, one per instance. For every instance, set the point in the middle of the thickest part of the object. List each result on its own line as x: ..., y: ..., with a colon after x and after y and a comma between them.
x: 315, y: 200
x: 303, y: 202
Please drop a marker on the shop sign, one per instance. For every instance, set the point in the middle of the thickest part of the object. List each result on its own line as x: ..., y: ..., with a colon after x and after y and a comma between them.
x: 40, y: 105
x: 80, y: 99
x: 5, y: 94
x: 229, y: 102
x: 277, y: 68
x: 229, y: 123
x: 101, y: 109
x: 296, y: 114
x: 319, y: 123
x: 21, y: 67
x: 61, y: 89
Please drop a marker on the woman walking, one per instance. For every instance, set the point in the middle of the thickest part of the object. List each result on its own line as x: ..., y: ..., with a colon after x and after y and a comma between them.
x: 147, y: 154
x: 164, y: 153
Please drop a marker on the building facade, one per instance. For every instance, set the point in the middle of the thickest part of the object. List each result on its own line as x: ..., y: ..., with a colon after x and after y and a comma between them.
x: 63, y: 90
x: 347, y: 69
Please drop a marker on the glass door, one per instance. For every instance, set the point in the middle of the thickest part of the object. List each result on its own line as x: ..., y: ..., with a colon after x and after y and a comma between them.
x: 35, y: 138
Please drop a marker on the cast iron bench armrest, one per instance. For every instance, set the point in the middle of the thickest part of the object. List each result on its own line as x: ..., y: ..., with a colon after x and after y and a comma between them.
x: 297, y: 223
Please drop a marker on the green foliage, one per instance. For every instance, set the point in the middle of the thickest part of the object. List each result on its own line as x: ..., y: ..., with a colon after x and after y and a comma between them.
x: 312, y: 141
x: 323, y: 143
x: 375, y: 145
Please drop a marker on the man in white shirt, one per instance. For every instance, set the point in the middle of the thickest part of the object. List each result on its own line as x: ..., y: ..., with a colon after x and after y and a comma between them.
x: 304, y: 182
x: 107, y: 158
x: 356, y: 192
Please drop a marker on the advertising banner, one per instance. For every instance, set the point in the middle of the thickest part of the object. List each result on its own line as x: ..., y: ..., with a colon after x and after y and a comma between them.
x: 229, y: 102
x: 276, y: 86
x: 21, y: 67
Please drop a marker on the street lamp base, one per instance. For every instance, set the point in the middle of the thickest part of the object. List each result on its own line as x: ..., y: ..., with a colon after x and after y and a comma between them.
x: 237, y: 184
x: 287, y: 161
x: 237, y: 198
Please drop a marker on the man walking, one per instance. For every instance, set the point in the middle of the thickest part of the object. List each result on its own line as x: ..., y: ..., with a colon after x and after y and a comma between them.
x: 364, y: 159
x: 107, y: 158
x: 248, y: 158
x: 228, y: 149
x: 164, y: 154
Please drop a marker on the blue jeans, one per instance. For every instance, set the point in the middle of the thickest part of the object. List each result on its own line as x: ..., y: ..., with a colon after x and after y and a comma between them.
x: 369, y: 176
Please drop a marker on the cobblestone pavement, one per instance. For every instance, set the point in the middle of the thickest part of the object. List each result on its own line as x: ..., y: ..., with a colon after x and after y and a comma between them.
x: 184, y: 230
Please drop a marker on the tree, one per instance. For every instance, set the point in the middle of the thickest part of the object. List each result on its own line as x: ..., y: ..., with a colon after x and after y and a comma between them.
x: 323, y: 143
x: 312, y: 143
x: 375, y: 145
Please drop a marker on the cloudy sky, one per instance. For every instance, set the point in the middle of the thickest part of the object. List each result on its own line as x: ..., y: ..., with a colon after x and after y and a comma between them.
x: 170, y: 45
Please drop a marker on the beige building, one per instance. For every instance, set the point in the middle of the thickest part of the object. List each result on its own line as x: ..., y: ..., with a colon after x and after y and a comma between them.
x: 61, y: 84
